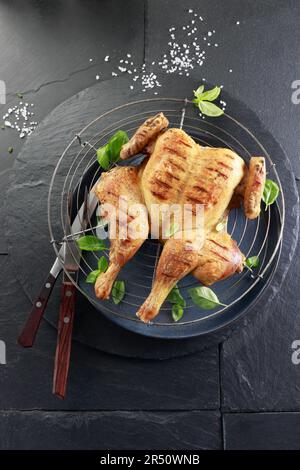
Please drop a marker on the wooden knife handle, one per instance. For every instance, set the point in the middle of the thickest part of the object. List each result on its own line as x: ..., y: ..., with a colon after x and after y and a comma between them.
x: 28, y: 334
x: 64, y: 339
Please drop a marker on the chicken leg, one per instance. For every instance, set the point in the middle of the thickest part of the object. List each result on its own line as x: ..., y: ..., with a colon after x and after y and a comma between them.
x: 179, y: 257
x: 122, y: 206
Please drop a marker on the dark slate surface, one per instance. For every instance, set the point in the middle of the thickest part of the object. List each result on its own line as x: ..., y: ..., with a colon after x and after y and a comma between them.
x: 97, y: 381
x: 261, y: 431
x: 47, y: 50
x: 110, y: 430
x: 257, y: 368
x: 262, y: 51
x: 82, y: 31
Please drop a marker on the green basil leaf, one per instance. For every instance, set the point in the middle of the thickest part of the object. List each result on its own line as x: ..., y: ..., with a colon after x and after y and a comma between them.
x: 92, y: 276
x: 115, y: 144
x: 90, y: 243
x: 210, y: 109
x: 210, y: 95
x: 175, y: 297
x: 204, y: 298
x: 118, y: 291
x: 270, y: 194
x: 177, y: 312
x: 10, y: 149
x: 103, y: 157
x: 172, y: 229
x: 252, y: 262
x: 198, y: 92
x: 102, y: 264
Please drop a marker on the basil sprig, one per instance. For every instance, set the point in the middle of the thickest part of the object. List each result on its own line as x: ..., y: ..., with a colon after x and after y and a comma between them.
x: 178, y: 302
x: 118, y: 291
x: 204, y: 298
x: 102, y: 267
x: 271, y: 192
x: 90, y: 243
x: 252, y: 262
x: 175, y: 297
x: 110, y: 152
x: 203, y: 99
x: 177, y: 312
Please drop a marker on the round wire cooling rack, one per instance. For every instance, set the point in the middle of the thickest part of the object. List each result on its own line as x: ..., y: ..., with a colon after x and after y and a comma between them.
x: 77, y: 171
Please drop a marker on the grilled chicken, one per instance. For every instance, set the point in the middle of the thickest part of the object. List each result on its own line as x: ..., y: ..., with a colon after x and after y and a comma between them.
x: 179, y: 171
x: 119, y: 189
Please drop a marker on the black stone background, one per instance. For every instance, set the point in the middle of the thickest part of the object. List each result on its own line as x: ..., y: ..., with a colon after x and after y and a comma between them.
x: 229, y: 396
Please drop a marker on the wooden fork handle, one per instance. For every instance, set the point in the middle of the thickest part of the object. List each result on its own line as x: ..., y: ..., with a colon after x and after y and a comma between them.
x: 30, y: 329
x: 64, y: 339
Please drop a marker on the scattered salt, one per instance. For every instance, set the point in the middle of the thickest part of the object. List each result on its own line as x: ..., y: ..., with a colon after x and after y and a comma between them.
x: 17, y: 118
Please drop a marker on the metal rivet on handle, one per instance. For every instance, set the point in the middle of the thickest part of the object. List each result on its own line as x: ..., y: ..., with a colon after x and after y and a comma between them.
x: 66, y: 320
x: 48, y: 285
x: 69, y: 293
x: 38, y: 304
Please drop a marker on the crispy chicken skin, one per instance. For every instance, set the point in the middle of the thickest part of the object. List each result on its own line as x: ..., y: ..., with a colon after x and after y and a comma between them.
x: 145, y: 133
x: 219, y: 258
x: 178, y: 258
x: 120, y: 183
x: 179, y: 171
x: 254, y: 187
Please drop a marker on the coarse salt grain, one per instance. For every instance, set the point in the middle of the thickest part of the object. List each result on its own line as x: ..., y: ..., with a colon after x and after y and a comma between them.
x: 180, y: 58
x: 18, y: 119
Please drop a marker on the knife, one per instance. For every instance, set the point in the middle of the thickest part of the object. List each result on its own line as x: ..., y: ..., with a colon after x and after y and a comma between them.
x: 30, y: 329
x: 72, y: 256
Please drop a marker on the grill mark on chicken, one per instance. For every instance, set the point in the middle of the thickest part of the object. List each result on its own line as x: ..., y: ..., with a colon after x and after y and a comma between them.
x: 225, y: 166
x: 219, y: 256
x: 195, y: 200
x: 159, y: 195
x: 228, y: 156
x: 176, y: 165
x: 171, y: 175
x: 174, y: 150
x: 200, y: 188
x: 218, y: 244
x: 158, y: 182
x: 171, y: 276
x: 184, y: 143
x: 218, y: 172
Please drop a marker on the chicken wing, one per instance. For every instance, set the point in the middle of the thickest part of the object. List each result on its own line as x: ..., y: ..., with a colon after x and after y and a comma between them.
x: 254, y: 187
x: 144, y: 135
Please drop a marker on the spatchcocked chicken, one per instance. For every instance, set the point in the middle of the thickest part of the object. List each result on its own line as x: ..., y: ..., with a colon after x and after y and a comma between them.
x: 179, y: 171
